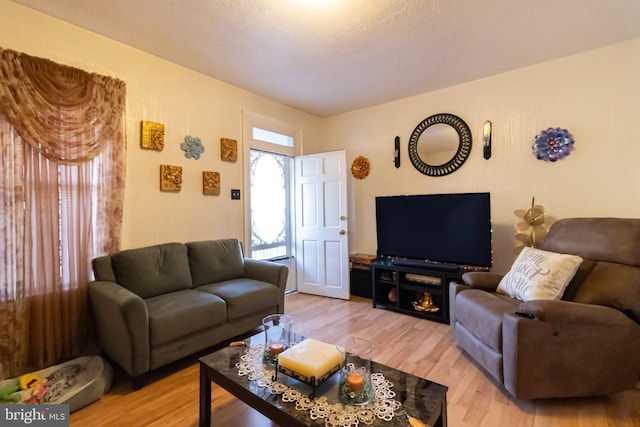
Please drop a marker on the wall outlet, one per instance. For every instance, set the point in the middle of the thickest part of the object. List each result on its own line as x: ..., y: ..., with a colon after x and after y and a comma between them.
x: 235, y: 194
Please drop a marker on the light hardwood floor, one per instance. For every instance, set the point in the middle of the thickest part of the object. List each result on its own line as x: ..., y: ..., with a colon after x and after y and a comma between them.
x: 417, y: 346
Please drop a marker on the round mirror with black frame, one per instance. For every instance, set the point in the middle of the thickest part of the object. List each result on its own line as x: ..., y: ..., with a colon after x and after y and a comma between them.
x: 437, y: 150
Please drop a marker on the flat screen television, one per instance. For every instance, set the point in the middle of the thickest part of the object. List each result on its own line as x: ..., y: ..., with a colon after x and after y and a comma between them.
x: 449, y: 229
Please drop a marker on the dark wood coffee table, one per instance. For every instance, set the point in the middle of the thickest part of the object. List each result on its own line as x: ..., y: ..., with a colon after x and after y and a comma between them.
x: 420, y: 398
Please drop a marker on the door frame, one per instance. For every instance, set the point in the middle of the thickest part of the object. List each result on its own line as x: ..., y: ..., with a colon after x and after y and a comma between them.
x: 249, y: 121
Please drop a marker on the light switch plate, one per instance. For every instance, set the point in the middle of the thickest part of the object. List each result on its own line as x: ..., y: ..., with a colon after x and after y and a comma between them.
x: 235, y: 194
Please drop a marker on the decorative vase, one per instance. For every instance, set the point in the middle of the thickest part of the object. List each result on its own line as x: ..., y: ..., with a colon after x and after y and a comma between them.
x: 277, y: 336
x: 355, y: 387
x: 391, y: 296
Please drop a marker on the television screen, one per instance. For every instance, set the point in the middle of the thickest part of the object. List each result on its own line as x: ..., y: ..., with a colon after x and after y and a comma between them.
x: 439, y: 228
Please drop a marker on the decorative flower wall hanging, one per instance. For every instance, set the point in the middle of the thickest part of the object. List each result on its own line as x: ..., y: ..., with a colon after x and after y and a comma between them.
x: 360, y: 167
x: 192, y: 147
x: 552, y: 144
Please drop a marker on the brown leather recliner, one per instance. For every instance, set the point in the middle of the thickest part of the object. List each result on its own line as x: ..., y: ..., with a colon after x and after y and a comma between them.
x: 587, y: 343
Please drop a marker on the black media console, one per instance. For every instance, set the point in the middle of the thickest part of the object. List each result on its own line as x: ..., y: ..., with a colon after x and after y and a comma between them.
x: 407, y: 286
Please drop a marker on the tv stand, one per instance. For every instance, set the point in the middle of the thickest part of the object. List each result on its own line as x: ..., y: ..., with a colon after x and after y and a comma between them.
x: 424, y: 264
x: 406, y: 285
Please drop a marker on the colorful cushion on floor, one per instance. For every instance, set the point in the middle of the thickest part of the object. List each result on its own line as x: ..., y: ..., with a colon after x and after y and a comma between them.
x: 77, y: 383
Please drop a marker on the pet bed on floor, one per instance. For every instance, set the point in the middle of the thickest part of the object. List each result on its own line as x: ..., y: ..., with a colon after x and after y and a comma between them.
x: 77, y: 383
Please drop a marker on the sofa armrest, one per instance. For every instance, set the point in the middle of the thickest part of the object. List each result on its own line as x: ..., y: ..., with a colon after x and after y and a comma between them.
x: 572, y: 312
x: 122, y: 323
x: 266, y: 271
x: 482, y: 280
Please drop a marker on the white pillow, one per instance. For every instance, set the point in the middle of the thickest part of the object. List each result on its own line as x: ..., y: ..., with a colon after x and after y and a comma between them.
x: 538, y: 274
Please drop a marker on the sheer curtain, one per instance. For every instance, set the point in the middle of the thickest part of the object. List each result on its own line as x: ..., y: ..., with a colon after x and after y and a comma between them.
x: 62, y: 149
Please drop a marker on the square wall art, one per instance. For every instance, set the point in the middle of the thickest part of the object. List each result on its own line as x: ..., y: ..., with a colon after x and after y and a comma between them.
x: 170, y: 178
x: 211, y: 183
x: 228, y: 149
x: 152, y: 135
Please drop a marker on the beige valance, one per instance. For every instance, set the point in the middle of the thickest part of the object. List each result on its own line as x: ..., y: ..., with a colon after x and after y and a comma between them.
x: 65, y: 113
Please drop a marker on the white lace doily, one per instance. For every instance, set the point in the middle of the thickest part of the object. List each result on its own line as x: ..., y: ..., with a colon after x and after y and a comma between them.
x: 383, y: 406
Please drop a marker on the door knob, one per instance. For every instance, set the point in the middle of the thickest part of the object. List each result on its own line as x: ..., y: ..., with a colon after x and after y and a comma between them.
x: 342, y: 232
x: 343, y: 218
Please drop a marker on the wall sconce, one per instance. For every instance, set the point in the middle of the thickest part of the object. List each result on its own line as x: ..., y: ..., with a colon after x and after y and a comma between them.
x: 486, y: 138
x: 396, y: 152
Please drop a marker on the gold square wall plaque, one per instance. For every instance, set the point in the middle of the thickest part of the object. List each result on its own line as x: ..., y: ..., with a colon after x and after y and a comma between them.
x: 211, y: 183
x: 152, y: 135
x: 170, y: 178
x: 228, y: 149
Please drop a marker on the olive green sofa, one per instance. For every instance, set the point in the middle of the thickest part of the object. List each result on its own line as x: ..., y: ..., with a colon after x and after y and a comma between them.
x: 157, y: 304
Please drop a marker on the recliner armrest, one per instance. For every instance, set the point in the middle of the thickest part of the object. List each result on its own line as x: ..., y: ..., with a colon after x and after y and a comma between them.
x: 569, y: 349
x: 122, y: 322
x: 482, y: 280
x: 572, y: 312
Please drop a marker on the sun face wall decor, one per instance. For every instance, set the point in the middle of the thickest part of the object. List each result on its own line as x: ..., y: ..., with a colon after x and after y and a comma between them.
x: 360, y: 167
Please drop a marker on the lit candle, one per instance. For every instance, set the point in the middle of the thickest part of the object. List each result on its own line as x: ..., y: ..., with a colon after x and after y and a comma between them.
x: 354, y: 381
x: 276, y: 347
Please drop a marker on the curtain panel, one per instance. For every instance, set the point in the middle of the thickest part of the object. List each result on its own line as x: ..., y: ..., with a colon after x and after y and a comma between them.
x: 62, y: 148
x: 66, y: 114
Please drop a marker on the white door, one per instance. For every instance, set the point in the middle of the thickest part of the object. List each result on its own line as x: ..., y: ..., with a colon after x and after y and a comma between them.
x: 322, y: 243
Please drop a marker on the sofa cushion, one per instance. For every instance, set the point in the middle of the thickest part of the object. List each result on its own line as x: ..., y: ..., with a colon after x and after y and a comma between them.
x: 613, y: 285
x: 153, y: 270
x: 102, y: 268
x: 244, y: 296
x: 215, y: 260
x: 178, y: 314
x: 615, y: 240
x: 538, y: 274
x: 481, y: 313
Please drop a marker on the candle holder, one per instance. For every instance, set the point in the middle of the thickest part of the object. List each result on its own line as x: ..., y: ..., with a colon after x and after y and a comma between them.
x: 277, y: 336
x: 355, y: 387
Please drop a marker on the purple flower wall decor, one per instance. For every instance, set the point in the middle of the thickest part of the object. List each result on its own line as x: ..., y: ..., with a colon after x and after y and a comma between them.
x: 552, y: 144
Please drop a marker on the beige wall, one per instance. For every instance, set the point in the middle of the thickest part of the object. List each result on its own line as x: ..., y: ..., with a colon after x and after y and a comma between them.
x: 188, y: 103
x: 595, y: 95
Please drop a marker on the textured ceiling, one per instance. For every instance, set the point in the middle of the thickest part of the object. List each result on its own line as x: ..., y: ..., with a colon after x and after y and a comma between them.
x: 328, y: 57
